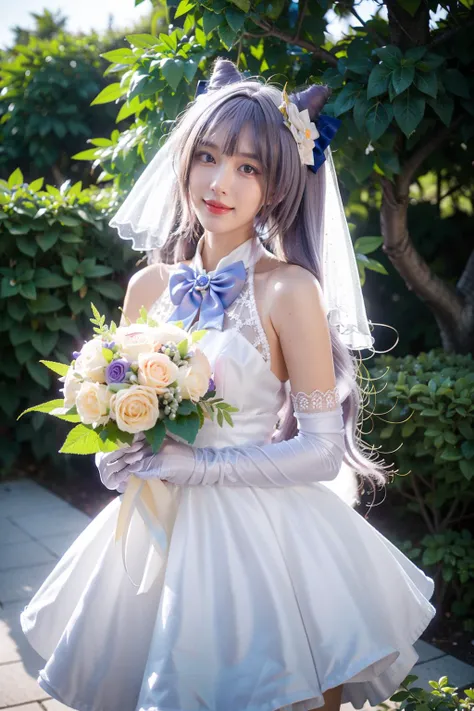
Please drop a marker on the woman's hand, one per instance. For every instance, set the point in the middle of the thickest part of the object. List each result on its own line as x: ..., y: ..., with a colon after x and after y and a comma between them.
x: 114, y: 466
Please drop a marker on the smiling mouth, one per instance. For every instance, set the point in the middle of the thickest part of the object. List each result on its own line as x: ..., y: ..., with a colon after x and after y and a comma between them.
x: 217, y: 208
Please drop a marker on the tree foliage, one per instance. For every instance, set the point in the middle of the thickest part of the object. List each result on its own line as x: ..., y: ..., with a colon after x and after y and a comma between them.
x: 403, y: 88
x: 46, y: 88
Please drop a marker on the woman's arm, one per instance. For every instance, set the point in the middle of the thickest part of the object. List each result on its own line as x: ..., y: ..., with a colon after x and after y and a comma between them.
x: 316, y: 453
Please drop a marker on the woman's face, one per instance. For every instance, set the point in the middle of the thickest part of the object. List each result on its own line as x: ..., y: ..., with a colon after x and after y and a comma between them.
x: 226, y: 191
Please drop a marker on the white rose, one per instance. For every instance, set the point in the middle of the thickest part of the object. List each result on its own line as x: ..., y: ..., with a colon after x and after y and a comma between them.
x: 71, y: 387
x: 91, y: 363
x: 157, y: 371
x: 200, y: 362
x: 92, y: 402
x: 194, y: 379
x: 168, y: 332
x: 135, y: 409
x: 133, y: 340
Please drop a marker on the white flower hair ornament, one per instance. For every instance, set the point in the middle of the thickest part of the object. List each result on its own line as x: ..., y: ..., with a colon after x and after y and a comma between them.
x: 311, y: 138
x: 304, y: 131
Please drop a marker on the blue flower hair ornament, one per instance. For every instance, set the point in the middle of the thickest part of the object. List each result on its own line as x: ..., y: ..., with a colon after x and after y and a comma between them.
x: 327, y: 126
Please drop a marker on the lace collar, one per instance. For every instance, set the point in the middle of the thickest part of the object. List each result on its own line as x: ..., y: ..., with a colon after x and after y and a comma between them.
x: 249, y: 252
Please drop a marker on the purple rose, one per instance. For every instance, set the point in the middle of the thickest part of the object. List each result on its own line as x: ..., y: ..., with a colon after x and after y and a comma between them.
x: 116, y: 371
x: 212, y: 386
x: 76, y: 354
x: 110, y: 345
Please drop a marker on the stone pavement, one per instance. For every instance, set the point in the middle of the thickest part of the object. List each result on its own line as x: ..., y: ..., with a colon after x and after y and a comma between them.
x: 36, y: 528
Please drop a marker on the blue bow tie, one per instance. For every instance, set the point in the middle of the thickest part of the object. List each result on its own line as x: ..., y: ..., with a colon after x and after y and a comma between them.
x: 212, y: 294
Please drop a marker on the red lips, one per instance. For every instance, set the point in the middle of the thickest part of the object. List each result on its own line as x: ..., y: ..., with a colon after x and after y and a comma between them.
x: 217, y: 208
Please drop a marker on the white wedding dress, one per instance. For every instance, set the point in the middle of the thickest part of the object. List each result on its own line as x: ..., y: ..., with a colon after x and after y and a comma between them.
x: 267, y: 597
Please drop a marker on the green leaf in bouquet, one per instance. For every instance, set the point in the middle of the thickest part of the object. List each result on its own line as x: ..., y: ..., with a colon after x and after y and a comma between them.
x: 69, y: 414
x: 183, y: 347
x: 156, y: 435
x: 108, y: 354
x: 185, y: 407
x: 223, y: 413
x: 115, y: 387
x: 111, y: 434
x: 98, y: 320
x: 143, y: 315
x: 197, y: 335
x: 46, y: 407
x: 59, y: 368
x: 185, y: 427
x: 127, y: 320
x: 200, y: 415
x: 227, y: 418
x: 83, y: 440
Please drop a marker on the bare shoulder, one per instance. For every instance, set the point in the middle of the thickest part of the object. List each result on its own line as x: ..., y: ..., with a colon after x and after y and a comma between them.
x: 289, y: 278
x: 144, y: 288
x: 295, y: 293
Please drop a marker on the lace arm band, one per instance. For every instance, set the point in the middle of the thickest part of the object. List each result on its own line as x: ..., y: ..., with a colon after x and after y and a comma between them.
x: 317, y: 401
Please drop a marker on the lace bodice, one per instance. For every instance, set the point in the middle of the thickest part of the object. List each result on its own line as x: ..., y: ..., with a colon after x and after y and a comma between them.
x: 242, y: 317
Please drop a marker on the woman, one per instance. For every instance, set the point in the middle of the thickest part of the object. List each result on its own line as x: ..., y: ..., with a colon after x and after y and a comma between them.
x: 273, y: 592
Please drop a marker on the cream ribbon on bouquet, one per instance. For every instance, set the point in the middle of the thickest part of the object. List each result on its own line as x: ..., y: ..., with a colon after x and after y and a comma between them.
x: 153, y: 501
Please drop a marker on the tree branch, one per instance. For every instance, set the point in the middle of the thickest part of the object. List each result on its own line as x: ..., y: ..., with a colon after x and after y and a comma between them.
x: 442, y: 298
x: 273, y: 31
x: 301, y: 13
x: 449, y: 34
x: 420, y: 155
x: 450, y: 192
x: 381, y: 42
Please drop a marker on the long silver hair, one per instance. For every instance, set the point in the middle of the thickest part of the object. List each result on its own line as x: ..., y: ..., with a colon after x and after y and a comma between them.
x: 291, y: 222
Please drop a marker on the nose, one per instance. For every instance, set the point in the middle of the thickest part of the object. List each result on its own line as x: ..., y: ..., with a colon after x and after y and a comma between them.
x: 221, y: 177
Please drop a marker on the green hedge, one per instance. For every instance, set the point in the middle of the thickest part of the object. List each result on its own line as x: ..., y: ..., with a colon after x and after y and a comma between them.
x: 58, y: 255
x: 427, y: 432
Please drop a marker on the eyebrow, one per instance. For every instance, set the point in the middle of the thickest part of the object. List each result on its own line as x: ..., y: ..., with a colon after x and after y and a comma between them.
x: 210, y: 144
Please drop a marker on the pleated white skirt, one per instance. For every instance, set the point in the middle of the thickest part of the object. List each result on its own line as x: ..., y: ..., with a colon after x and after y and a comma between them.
x: 267, y: 598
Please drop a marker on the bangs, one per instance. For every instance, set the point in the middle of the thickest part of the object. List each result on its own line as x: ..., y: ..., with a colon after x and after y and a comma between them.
x: 233, y: 115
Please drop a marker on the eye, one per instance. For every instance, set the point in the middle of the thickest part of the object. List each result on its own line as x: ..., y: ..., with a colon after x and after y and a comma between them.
x: 204, y: 155
x: 252, y: 171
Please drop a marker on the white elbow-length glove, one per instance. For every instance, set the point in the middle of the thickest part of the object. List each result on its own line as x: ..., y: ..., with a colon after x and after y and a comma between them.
x: 113, y: 466
x: 315, y: 454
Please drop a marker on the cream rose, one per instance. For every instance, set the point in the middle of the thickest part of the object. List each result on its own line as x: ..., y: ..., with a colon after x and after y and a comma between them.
x: 92, y: 402
x: 91, y: 363
x: 135, y: 409
x: 194, y: 379
x: 157, y: 371
x: 71, y: 387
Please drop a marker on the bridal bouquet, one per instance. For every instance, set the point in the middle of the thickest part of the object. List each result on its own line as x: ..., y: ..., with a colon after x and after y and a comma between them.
x: 142, y: 377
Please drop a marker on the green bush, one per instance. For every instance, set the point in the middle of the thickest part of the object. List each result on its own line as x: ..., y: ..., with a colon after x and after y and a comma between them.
x: 442, y: 698
x: 46, y: 89
x: 58, y: 256
x: 427, y: 430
